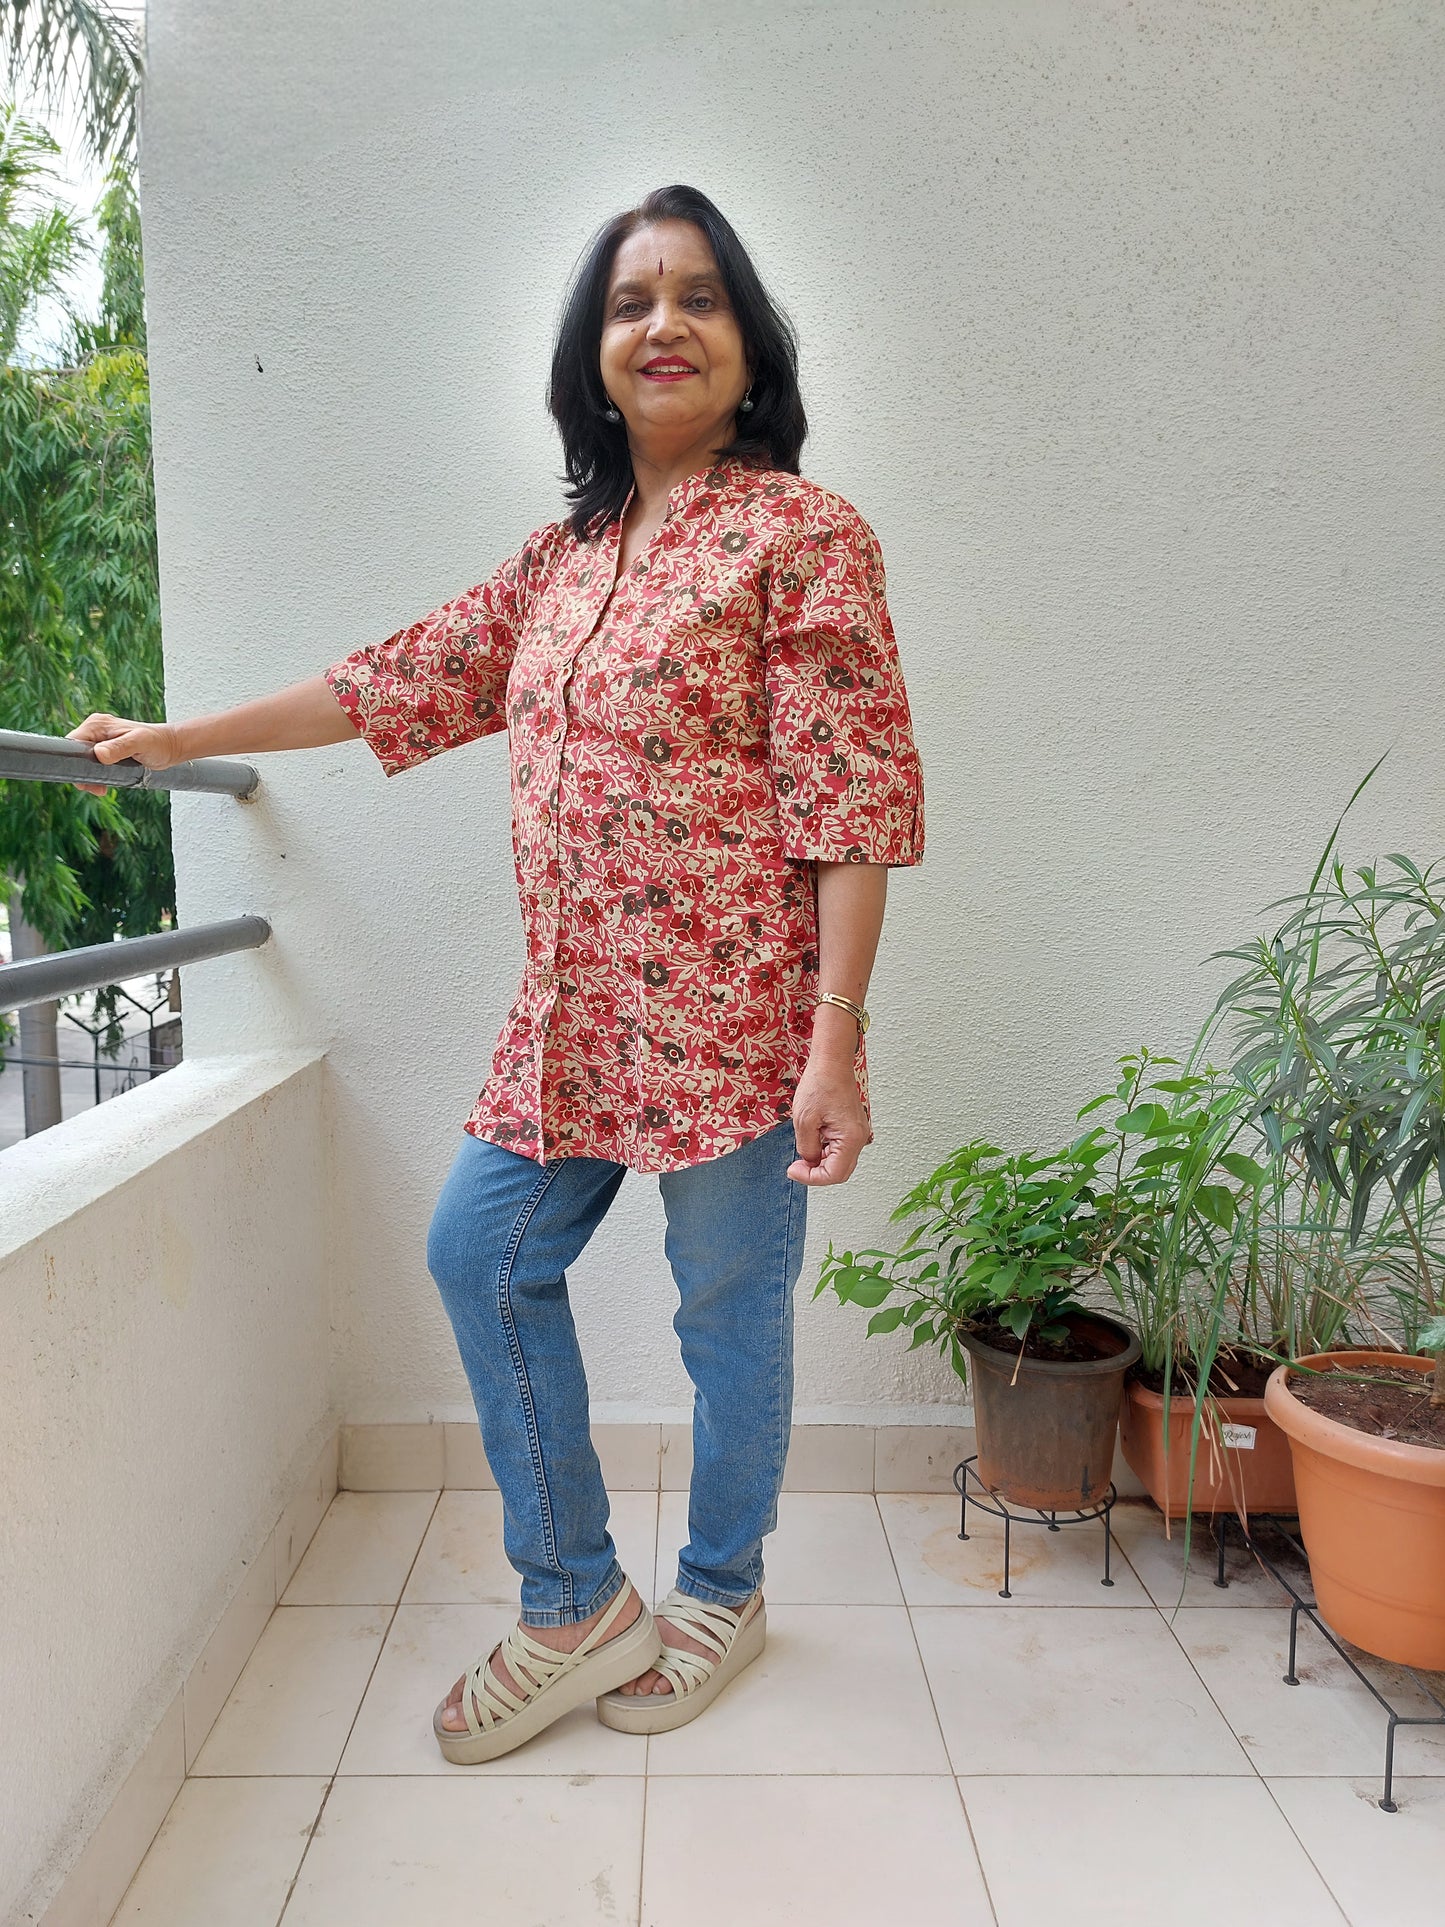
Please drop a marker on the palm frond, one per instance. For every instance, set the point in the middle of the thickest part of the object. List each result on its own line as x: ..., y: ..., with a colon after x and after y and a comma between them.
x: 80, y: 49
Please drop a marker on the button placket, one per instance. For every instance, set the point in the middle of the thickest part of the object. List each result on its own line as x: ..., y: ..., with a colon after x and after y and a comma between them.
x: 550, y: 812
x: 546, y: 900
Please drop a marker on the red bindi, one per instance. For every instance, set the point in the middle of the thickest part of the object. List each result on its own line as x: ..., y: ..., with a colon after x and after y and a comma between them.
x: 659, y: 270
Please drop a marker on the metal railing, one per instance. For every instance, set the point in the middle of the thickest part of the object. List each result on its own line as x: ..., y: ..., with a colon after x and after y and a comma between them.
x: 59, y: 759
x: 43, y: 979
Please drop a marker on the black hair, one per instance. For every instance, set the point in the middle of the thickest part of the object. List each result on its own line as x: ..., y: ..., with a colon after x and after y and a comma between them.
x: 599, y: 467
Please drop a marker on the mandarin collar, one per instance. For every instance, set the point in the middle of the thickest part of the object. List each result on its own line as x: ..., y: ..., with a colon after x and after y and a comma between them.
x: 691, y: 486
x: 685, y: 492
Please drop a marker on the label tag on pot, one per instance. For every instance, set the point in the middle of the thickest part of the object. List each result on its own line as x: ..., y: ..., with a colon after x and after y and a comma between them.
x: 1239, y: 1438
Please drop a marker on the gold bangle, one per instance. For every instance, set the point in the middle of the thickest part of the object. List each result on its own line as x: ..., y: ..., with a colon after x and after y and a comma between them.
x: 855, y: 1011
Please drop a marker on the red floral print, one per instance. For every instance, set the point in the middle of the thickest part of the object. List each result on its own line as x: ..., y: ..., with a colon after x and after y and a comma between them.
x: 686, y: 742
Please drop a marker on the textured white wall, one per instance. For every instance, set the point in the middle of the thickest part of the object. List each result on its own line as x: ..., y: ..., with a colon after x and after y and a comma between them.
x: 1122, y: 325
x: 163, y: 1386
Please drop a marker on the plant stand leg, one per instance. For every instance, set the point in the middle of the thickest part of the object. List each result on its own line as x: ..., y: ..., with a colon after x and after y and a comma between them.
x: 1387, y: 1805
x: 1394, y: 1718
x: 1291, y: 1678
x: 1007, y: 1543
x: 1108, y: 1580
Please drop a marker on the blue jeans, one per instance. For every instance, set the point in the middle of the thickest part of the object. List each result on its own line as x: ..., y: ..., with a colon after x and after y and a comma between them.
x: 504, y: 1232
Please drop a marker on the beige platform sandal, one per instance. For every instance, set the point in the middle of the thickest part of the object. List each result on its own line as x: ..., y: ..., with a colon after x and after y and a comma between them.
x: 553, y: 1683
x: 735, y: 1638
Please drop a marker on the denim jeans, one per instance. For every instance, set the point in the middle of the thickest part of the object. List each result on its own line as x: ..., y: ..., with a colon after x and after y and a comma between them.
x: 504, y: 1232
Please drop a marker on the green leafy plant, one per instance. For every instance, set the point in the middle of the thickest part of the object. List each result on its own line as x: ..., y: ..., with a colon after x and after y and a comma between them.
x: 1131, y: 1211
x: 996, y: 1241
x: 1176, y: 1193
x: 1299, y: 1283
x: 79, y: 593
x: 1341, y: 1017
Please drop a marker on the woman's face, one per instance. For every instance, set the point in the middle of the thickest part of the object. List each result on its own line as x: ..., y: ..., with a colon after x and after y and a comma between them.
x: 672, y: 354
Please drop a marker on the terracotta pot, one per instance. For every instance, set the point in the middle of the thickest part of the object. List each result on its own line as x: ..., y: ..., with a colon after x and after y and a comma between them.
x: 1046, y: 1437
x: 1248, y: 1471
x: 1372, y: 1516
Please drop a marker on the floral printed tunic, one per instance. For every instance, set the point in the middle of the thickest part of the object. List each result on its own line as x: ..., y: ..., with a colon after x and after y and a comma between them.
x: 684, y: 747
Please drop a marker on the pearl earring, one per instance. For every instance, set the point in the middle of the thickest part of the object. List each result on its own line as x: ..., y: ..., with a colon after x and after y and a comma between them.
x: 747, y: 401
x: 610, y: 414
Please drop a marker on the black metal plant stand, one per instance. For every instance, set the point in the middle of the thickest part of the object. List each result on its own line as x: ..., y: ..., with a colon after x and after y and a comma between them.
x: 1027, y: 1516
x: 1308, y: 1608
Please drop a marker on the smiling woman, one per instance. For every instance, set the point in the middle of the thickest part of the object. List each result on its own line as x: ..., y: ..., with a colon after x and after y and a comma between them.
x: 676, y: 248
x: 712, y: 768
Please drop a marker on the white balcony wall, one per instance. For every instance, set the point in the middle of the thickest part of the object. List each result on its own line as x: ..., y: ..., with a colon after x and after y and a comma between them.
x: 1119, y: 322
x: 163, y: 1387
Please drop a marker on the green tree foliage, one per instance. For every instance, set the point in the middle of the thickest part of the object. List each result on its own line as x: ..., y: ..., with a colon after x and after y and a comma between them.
x: 79, y: 603
x: 83, y: 49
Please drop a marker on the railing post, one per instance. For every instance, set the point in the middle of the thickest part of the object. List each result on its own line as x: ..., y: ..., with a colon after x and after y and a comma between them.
x: 39, y: 1032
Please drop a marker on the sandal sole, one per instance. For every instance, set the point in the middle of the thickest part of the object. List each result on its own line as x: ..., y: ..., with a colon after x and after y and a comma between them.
x: 620, y: 1659
x: 664, y: 1712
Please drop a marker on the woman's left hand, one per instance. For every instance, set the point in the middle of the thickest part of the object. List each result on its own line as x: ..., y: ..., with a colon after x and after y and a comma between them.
x: 829, y: 1121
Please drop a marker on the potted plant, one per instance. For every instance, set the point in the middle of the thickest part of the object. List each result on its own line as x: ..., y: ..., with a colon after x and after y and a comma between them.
x: 1343, y: 1017
x: 1188, y: 1200
x: 991, y: 1273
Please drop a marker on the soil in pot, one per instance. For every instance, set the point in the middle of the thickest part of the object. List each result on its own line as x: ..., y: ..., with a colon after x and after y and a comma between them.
x: 1232, y: 1375
x: 1086, y: 1338
x: 1047, y: 1422
x: 1393, y: 1405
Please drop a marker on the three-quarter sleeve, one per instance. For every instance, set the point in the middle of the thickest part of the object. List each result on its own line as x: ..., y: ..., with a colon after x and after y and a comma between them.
x: 845, y: 767
x: 442, y: 681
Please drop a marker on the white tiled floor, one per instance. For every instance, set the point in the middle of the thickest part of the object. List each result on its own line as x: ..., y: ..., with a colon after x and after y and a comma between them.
x: 911, y: 1750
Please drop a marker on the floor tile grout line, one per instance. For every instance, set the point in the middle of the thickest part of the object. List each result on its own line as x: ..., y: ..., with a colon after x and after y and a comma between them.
x: 943, y: 1738
x: 937, y: 1719
x: 823, y: 1773
x: 1339, y: 1904
x: 973, y: 1842
x: 361, y: 1697
x: 986, y: 1606
x: 1169, y: 1619
x: 642, y: 1845
x: 311, y: 1833
x: 1304, y: 1849
x: 656, y: 1539
x: 656, y: 1560
x: 647, y: 1737
x: 932, y: 1606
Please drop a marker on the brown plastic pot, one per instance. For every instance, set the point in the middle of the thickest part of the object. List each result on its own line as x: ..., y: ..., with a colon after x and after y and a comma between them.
x: 1252, y: 1472
x: 1046, y: 1438
x: 1372, y: 1516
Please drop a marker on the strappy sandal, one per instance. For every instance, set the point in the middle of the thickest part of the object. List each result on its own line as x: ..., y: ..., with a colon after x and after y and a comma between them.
x: 552, y: 1684
x: 734, y: 1638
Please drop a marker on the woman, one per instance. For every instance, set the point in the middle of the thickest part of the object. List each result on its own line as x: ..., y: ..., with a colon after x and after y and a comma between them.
x: 712, y: 766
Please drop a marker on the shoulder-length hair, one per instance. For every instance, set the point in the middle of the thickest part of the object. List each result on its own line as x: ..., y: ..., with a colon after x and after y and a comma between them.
x: 599, y: 467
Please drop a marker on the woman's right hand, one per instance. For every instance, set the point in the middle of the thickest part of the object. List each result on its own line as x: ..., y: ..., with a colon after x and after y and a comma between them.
x: 114, y: 739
